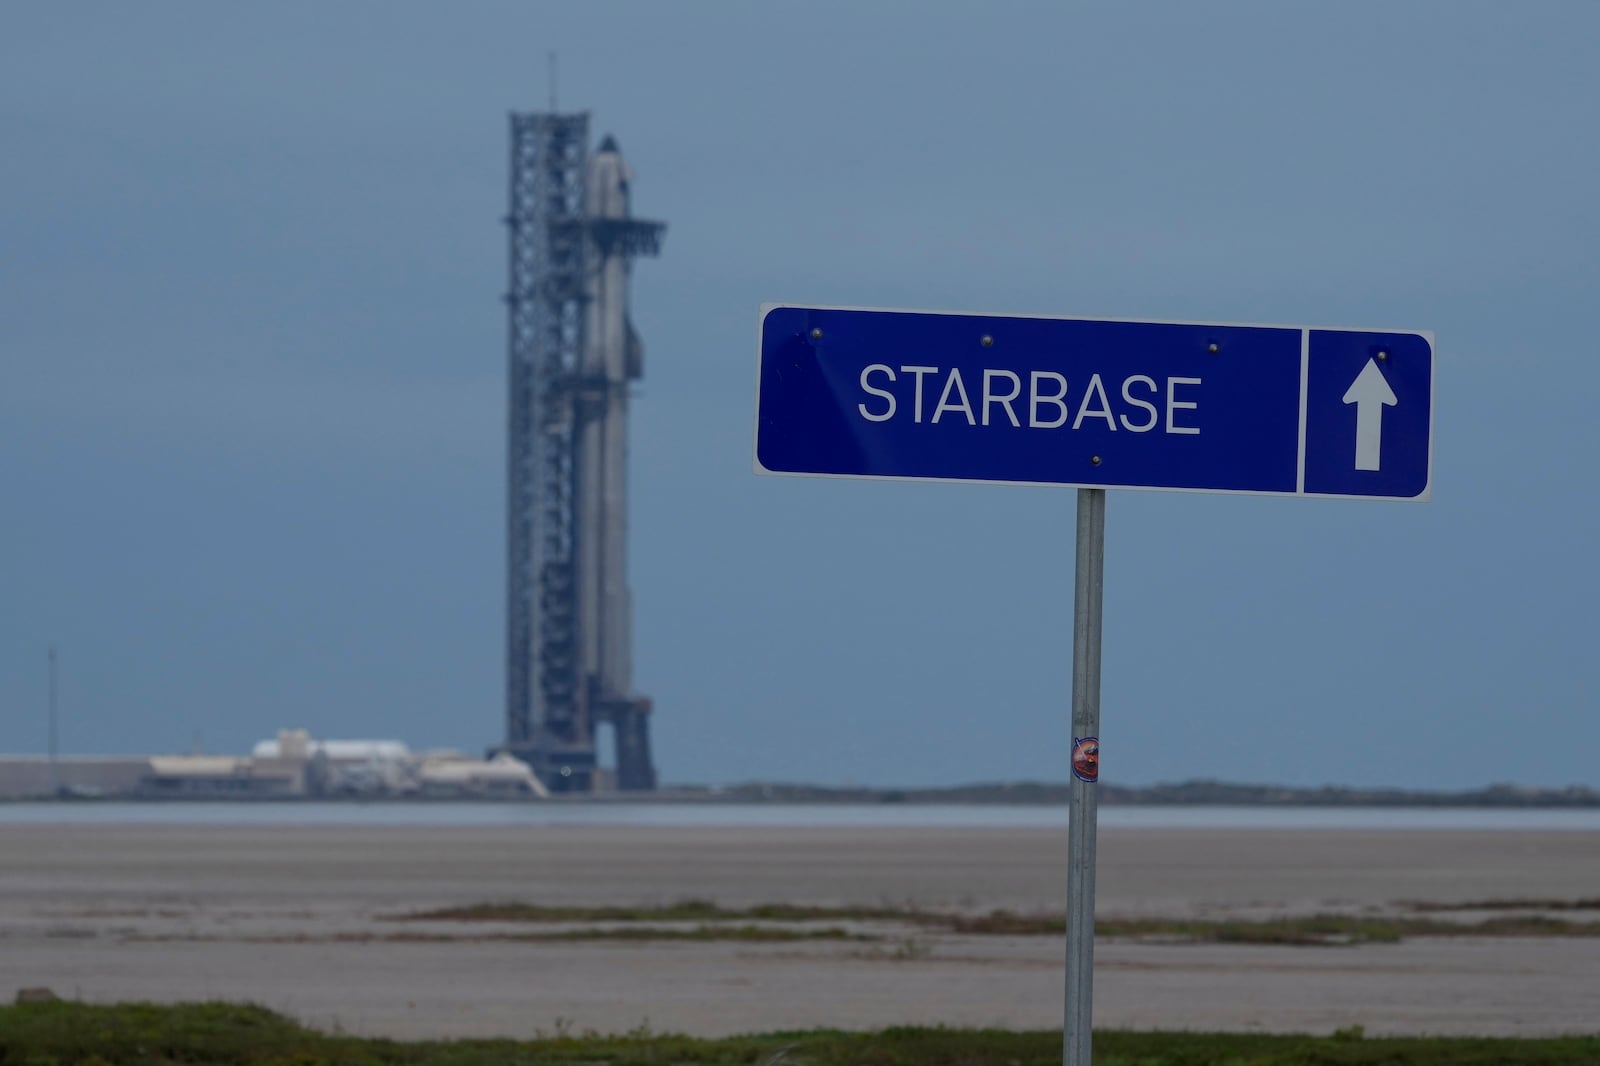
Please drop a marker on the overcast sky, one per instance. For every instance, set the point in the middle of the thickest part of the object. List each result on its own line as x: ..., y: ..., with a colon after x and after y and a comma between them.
x: 252, y: 375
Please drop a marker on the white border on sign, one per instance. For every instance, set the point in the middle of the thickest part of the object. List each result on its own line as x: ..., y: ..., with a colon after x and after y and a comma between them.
x: 1305, y: 376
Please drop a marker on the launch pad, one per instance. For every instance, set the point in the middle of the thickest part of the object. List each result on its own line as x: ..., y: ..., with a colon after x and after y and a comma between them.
x: 572, y: 355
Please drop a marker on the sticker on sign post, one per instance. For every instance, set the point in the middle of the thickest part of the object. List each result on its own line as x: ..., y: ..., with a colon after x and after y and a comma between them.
x: 1086, y: 759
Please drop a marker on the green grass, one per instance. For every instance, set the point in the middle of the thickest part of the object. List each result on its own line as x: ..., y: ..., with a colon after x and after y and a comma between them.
x: 686, y: 910
x: 747, y: 933
x: 1322, y: 929
x: 216, y: 1034
x: 753, y: 933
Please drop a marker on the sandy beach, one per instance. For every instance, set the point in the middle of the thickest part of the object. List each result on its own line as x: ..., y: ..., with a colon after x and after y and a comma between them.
x: 300, y: 920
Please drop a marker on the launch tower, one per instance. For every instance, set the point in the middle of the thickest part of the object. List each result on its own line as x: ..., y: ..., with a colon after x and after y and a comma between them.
x: 573, y: 354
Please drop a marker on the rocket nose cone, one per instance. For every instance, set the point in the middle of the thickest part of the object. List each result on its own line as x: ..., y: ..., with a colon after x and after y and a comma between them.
x: 609, y: 144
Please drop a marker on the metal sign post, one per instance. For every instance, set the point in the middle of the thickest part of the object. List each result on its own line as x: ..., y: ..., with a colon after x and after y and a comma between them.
x: 1089, y: 583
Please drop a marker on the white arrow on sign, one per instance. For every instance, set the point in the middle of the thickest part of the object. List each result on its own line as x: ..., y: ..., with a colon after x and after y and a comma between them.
x: 1371, y: 393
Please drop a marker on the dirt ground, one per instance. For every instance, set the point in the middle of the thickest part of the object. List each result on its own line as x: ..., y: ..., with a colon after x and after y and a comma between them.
x: 295, y: 919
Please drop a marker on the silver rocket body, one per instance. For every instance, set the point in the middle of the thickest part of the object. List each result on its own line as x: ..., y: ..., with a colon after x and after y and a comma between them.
x: 605, y: 622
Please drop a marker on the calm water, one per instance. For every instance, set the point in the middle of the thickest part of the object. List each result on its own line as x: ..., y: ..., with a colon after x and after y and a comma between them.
x: 762, y: 815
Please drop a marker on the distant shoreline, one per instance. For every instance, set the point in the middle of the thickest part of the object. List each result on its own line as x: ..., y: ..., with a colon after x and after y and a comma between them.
x: 1184, y: 794
x: 1041, y: 794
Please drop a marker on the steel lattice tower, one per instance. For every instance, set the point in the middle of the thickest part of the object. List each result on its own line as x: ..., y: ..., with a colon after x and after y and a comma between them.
x: 572, y: 354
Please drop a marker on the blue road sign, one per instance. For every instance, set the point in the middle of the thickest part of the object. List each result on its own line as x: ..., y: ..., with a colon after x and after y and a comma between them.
x: 1093, y: 403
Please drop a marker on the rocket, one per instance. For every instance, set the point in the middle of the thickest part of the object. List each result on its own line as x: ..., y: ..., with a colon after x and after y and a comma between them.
x: 611, y: 359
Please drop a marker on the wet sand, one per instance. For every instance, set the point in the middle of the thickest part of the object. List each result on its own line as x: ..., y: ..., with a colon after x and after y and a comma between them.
x: 294, y: 919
